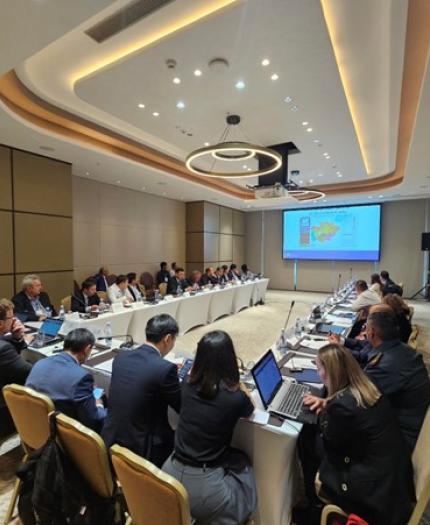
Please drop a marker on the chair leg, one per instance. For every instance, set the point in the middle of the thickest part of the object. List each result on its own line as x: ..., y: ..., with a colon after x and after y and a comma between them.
x: 14, y: 498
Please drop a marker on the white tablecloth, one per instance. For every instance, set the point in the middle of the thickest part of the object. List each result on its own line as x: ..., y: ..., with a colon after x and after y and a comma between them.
x: 142, y: 314
x: 193, y: 311
x: 242, y: 296
x: 259, y: 291
x: 221, y: 303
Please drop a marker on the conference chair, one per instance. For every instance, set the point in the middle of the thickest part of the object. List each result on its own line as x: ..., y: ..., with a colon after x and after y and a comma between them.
x: 88, y: 452
x: 153, y: 497
x: 67, y: 303
x: 421, y: 464
x: 413, y: 338
x: 147, y: 280
x: 103, y: 296
x: 162, y: 287
x: 30, y: 413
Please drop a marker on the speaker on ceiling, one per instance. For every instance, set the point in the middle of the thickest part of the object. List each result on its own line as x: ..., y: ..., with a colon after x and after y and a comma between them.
x: 425, y: 241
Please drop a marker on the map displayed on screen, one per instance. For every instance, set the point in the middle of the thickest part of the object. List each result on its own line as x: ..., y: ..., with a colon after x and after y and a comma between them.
x: 342, y: 233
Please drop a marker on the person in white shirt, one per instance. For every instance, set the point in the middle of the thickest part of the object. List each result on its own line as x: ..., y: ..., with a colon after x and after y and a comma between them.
x: 173, y: 270
x: 133, y: 286
x: 376, y: 284
x: 365, y: 297
x: 119, y: 292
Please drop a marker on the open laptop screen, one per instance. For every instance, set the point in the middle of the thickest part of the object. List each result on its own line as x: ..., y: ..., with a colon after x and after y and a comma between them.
x: 267, y: 377
x: 51, y: 327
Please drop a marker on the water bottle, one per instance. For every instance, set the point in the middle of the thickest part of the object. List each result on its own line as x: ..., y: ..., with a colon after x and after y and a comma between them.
x: 108, y: 334
x: 298, y: 328
x: 62, y: 312
x: 102, y: 306
x: 179, y: 290
x: 48, y: 312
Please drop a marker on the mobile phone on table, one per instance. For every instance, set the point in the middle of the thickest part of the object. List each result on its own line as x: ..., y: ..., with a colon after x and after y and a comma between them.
x: 98, y: 393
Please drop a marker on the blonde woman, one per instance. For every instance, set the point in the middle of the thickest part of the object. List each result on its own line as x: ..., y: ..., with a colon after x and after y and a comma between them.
x: 365, y: 467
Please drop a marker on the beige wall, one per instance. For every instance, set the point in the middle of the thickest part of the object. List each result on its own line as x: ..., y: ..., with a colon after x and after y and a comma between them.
x: 215, y: 235
x: 124, y: 229
x: 402, y: 225
x: 35, y: 222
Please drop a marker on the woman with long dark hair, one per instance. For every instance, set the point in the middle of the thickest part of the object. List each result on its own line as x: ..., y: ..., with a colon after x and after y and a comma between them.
x: 219, y: 480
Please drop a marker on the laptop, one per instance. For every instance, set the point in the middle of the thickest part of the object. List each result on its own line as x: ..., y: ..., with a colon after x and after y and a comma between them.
x: 49, y: 329
x: 280, y: 396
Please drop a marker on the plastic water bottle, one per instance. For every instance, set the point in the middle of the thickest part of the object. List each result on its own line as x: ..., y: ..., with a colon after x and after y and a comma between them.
x: 298, y: 328
x: 62, y: 312
x: 179, y: 290
x: 102, y: 306
x: 48, y: 312
x: 108, y: 334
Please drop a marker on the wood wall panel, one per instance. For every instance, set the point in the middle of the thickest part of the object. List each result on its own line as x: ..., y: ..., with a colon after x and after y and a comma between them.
x: 211, y: 218
x: 5, y: 179
x: 6, y: 242
x: 225, y: 220
x: 43, y: 243
x: 6, y: 286
x: 238, y: 222
x: 41, y: 185
x: 225, y: 247
x: 195, y: 216
x: 211, y: 246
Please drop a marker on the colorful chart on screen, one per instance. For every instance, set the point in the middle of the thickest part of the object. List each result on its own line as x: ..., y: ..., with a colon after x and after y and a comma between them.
x: 345, y: 233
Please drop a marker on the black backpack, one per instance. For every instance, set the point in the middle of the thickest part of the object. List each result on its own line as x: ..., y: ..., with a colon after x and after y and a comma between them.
x: 55, y: 493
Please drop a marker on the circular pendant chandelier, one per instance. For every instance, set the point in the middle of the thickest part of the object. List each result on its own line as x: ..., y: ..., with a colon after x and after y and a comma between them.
x: 204, y: 161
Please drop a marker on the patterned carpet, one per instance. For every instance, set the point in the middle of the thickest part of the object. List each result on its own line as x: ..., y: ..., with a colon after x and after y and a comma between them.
x: 252, y: 330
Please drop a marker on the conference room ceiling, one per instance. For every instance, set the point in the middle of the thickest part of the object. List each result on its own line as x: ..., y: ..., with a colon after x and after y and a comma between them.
x: 353, y: 115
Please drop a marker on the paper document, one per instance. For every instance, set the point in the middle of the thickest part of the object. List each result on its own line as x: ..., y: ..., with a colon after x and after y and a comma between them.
x: 260, y: 417
x: 312, y: 344
x: 300, y: 362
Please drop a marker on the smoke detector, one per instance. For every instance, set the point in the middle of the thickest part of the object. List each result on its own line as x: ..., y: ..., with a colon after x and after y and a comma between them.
x: 171, y: 63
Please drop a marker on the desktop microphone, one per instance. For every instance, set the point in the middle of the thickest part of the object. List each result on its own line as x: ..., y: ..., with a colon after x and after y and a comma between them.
x: 338, y: 281
x: 289, y: 314
x: 128, y: 343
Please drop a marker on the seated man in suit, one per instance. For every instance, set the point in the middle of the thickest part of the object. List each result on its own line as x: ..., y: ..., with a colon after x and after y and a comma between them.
x: 133, y: 287
x: 365, y: 297
x: 221, y: 276
x: 163, y: 275
x: 178, y: 284
x: 209, y: 277
x: 31, y: 303
x: 142, y: 387
x: 101, y: 279
x: 70, y: 386
x: 388, y: 285
x: 118, y: 292
x: 194, y: 279
x: 86, y: 299
x: 13, y: 367
x: 233, y: 274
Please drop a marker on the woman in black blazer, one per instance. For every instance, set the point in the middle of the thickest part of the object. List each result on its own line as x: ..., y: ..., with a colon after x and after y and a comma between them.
x: 365, y: 466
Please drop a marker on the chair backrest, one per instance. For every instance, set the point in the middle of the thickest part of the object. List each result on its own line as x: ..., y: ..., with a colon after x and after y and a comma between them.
x: 162, y: 287
x: 413, y: 338
x: 102, y: 295
x: 67, y: 303
x: 30, y: 413
x: 153, y: 497
x: 88, y: 452
x: 147, y: 280
x: 421, y: 462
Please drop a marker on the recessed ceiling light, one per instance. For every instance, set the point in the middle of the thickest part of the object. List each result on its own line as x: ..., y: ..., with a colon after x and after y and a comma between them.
x: 118, y: 182
x: 265, y: 62
x: 87, y: 173
x: 176, y: 80
x: 305, y: 123
x: 327, y: 157
x: 244, y: 166
x: 249, y: 169
x: 141, y: 106
x: 316, y: 141
x: 155, y: 114
x: 240, y: 84
x: 207, y: 144
x: 340, y: 175
x: 300, y: 182
x: 320, y: 174
x: 337, y: 172
x: 197, y: 73
x: 294, y: 108
x: 180, y: 105
x: 308, y: 130
x: 288, y: 100
x: 275, y: 76
x: 324, y: 200
x: 311, y: 181
x: 325, y: 154
x: 381, y: 196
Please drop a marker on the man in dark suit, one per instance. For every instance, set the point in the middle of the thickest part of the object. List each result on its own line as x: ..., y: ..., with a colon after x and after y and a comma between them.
x: 233, y: 274
x: 101, y: 279
x: 163, y: 276
x: 388, y: 285
x: 142, y: 387
x: 178, y: 283
x: 67, y: 383
x: 86, y: 299
x: 13, y: 367
x: 209, y: 277
x: 31, y: 304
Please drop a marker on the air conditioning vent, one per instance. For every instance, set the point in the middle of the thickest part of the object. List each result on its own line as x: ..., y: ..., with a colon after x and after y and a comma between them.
x: 124, y: 18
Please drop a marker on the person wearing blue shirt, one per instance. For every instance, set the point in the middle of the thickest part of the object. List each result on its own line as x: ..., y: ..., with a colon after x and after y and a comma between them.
x: 62, y: 378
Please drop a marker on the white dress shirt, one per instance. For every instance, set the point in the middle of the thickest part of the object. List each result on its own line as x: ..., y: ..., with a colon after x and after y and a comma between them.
x: 116, y: 295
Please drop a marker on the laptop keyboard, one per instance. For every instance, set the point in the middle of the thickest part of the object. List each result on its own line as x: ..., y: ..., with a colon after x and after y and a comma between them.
x: 292, y: 403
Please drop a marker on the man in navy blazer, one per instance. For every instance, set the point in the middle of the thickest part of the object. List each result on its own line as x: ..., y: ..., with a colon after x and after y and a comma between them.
x: 143, y: 386
x: 62, y: 378
x: 101, y: 279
